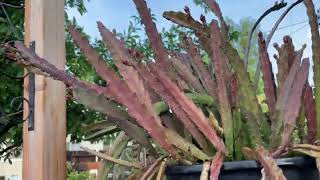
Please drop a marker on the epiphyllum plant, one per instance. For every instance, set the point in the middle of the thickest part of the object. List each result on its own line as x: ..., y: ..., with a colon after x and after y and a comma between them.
x: 151, y: 100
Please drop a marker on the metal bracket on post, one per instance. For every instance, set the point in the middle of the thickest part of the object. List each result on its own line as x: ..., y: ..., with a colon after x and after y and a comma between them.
x: 32, y: 92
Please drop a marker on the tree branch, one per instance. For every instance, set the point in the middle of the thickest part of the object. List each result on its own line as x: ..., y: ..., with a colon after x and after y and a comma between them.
x: 275, y: 7
x: 269, y: 37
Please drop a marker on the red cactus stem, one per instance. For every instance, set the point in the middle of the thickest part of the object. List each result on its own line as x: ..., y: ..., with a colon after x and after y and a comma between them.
x: 223, y: 97
x: 290, y: 50
x: 122, y: 121
x: 285, y: 61
x: 195, y: 114
x: 161, y: 54
x: 285, y: 89
x: 126, y: 95
x: 135, y: 84
x: 234, y: 90
x: 197, y: 63
x: 132, y: 79
x: 150, y: 170
x: 283, y: 99
x: 248, y: 101
x: 33, y: 59
x: 295, y: 100
x: 293, y: 106
x: 154, y: 83
x: 216, y: 164
x: 30, y: 58
x: 93, y: 57
x: 309, y: 104
x: 270, y: 167
x: 268, y: 76
x: 184, y: 20
x: 187, y: 75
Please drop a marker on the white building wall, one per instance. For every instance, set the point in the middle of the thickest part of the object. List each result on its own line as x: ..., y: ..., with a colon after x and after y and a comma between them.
x: 14, y: 171
x: 11, y: 171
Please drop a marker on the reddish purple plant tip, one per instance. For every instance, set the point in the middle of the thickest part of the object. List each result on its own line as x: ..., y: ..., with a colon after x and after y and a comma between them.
x: 126, y: 63
x: 260, y: 36
x: 135, y: 53
x: 286, y: 39
x: 187, y: 10
x: 203, y: 19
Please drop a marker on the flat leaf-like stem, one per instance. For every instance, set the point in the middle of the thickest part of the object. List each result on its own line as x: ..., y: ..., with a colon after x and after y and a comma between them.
x: 138, y: 104
x: 196, y: 115
x: 172, y: 102
x: 282, y: 100
x: 310, y: 109
x: 148, y: 173
x: 223, y: 98
x: 162, y: 170
x: 197, y: 63
x: 182, y: 144
x: 205, y: 171
x: 249, y: 104
x: 307, y: 149
x: 271, y: 169
x: 216, y: 164
x: 268, y: 76
x: 113, y: 160
x: 293, y: 105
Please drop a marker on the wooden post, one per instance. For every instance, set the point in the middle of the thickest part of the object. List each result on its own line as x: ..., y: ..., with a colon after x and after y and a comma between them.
x: 44, y: 148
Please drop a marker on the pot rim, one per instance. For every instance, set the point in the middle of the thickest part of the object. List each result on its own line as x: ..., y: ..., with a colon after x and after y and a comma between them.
x: 244, y: 165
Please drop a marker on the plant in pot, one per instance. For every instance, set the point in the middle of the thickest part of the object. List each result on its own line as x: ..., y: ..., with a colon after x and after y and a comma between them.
x: 183, y: 111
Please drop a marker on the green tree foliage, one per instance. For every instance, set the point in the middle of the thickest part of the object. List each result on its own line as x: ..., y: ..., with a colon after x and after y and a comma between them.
x: 11, y: 28
x: 202, y: 5
x: 75, y: 175
x: 11, y: 76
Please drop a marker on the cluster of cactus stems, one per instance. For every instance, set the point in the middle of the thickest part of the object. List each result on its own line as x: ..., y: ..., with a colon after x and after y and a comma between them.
x: 165, y: 101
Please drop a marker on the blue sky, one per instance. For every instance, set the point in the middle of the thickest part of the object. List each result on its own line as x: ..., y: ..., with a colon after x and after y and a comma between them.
x: 116, y: 15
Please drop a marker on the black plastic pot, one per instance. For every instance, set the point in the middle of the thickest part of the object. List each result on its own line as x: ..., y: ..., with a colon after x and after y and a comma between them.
x: 297, y: 168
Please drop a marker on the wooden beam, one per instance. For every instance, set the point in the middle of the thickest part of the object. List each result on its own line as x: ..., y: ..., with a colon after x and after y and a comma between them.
x: 44, y: 149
